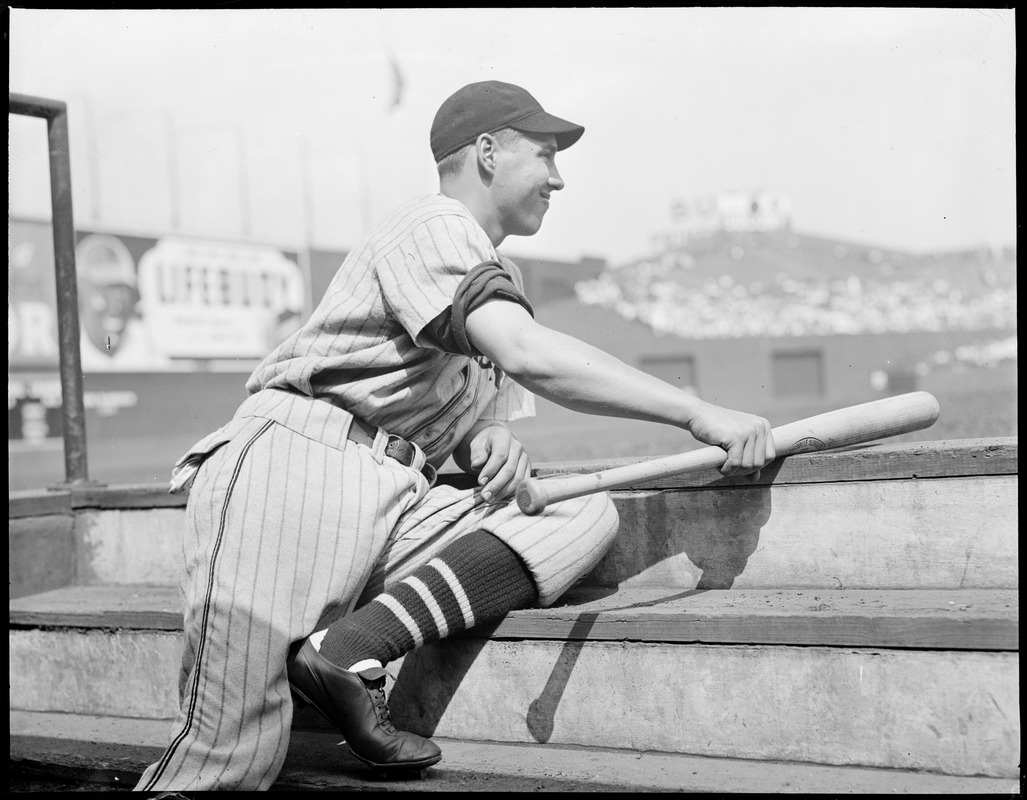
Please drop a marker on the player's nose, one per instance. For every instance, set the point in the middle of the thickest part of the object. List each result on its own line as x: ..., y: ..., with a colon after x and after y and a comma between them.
x: 555, y: 182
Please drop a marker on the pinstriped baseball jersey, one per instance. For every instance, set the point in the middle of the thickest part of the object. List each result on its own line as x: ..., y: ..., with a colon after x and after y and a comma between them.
x: 365, y: 348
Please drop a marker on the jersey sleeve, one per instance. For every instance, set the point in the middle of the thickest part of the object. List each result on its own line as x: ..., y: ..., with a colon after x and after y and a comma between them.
x: 420, y: 274
x: 511, y: 402
x: 488, y: 281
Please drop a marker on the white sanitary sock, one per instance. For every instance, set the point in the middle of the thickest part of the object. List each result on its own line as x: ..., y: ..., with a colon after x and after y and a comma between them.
x: 360, y: 666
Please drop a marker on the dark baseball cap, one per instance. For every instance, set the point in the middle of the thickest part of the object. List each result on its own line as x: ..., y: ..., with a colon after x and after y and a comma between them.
x: 490, y: 106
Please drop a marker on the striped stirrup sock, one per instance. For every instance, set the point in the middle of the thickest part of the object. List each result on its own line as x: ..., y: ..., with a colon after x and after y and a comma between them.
x: 475, y: 579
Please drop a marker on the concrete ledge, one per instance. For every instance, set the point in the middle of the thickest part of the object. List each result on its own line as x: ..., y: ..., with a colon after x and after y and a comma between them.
x: 901, y: 534
x: 921, y: 515
x: 116, y: 751
x: 129, y: 546
x: 933, y: 459
x: 955, y: 532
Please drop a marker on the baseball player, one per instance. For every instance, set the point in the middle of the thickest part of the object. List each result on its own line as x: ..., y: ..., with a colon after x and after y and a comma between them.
x: 318, y: 547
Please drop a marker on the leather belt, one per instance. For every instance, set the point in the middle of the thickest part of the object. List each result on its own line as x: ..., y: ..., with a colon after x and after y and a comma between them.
x: 363, y: 432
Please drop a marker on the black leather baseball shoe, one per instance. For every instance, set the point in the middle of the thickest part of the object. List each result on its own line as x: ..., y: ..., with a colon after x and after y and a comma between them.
x: 354, y: 702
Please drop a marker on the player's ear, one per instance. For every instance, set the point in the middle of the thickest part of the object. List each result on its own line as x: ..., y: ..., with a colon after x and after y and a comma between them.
x: 485, y: 152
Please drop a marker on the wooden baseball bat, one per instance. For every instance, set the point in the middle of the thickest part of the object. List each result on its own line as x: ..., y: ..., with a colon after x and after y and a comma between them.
x: 857, y: 424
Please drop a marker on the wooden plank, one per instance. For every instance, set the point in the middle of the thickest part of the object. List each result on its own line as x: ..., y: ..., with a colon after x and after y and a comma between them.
x: 143, y: 495
x: 939, y: 619
x: 107, y: 607
x: 940, y: 459
x: 936, y: 619
x: 39, y: 502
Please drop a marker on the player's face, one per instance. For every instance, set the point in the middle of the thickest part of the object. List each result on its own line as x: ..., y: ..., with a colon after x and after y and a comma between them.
x: 105, y: 313
x: 523, y: 181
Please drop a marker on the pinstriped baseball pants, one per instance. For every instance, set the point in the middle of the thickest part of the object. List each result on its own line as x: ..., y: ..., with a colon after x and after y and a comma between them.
x: 285, y: 533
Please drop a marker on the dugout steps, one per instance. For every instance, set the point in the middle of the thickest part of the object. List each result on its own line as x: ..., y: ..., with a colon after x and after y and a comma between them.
x: 113, y: 751
x: 851, y: 617
x: 956, y: 619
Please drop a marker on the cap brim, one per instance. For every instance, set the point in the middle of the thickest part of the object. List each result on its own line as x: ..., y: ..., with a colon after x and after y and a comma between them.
x: 566, y: 133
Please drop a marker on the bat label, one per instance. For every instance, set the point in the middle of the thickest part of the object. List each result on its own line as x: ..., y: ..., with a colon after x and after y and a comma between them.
x: 807, y: 445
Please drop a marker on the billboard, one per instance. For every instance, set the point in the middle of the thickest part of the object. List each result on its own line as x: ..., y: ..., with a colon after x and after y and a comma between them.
x: 754, y: 212
x: 153, y: 304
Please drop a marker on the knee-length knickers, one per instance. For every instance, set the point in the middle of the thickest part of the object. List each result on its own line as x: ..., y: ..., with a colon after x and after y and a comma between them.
x: 289, y: 525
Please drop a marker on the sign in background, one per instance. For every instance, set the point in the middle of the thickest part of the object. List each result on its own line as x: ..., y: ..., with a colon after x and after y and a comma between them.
x: 150, y: 304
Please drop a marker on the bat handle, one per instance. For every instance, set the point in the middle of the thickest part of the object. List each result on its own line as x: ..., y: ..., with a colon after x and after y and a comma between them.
x: 534, y: 494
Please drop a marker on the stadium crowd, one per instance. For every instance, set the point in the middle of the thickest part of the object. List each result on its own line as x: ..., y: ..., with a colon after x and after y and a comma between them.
x: 785, y: 305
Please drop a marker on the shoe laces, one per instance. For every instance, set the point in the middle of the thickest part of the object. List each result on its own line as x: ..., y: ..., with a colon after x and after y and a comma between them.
x: 381, y: 705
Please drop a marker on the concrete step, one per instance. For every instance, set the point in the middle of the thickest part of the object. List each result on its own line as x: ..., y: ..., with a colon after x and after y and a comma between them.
x: 111, y: 752
x: 911, y: 679
x: 933, y: 515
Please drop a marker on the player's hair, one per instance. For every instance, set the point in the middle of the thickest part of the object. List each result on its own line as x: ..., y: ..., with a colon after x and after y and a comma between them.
x: 451, y: 164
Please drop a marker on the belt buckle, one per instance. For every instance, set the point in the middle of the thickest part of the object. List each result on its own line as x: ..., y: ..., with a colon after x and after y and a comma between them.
x: 401, y: 450
x: 405, y: 453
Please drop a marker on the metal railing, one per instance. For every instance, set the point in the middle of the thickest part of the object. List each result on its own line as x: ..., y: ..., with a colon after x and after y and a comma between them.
x: 73, y: 412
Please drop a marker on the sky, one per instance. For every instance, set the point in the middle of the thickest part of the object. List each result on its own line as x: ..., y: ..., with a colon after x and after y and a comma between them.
x: 891, y: 127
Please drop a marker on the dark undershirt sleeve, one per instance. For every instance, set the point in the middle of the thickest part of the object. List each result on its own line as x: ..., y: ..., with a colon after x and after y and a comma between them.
x: 487, y: 281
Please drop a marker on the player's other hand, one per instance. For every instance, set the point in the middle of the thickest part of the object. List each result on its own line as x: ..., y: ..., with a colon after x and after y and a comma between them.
x: 746, y: 438
x: 499, y: 461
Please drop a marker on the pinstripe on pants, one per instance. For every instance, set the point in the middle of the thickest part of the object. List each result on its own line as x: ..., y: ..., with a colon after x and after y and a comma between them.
x: 288, y: 527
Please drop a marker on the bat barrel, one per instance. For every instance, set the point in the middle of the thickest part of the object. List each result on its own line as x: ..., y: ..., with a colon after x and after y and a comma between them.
x: 878, y: 419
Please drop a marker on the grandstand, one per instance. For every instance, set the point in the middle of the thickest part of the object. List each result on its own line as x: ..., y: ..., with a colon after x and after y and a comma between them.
x: 787, y: 324
x: 734, y: 285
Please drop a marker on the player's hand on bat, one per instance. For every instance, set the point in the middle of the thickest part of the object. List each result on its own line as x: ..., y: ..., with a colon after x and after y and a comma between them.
x: 746, y: 438
x: 499, y: 460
